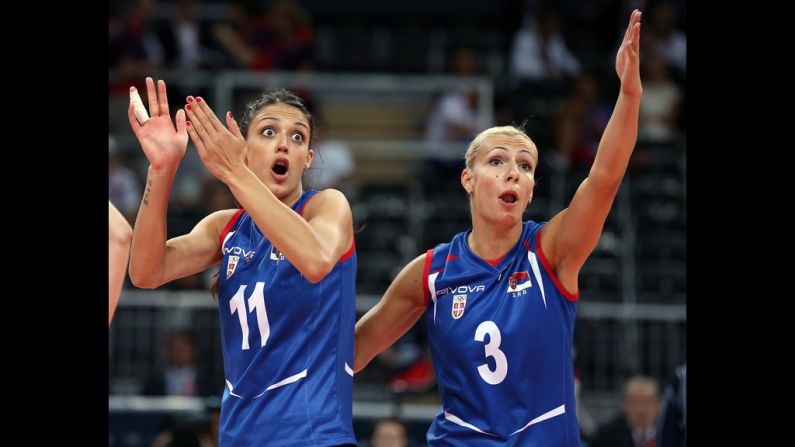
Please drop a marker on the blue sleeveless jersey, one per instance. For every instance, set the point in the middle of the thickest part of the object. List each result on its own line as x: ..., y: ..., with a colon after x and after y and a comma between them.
x: 501, y: 341
x: 287, y: 344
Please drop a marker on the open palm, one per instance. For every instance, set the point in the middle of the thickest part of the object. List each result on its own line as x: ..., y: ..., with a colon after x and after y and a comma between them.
x: 163, y: 144
x: 627, y: 60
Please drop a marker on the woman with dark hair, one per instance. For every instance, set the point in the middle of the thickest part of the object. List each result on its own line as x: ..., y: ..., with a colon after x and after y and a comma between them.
x: 286, y: 288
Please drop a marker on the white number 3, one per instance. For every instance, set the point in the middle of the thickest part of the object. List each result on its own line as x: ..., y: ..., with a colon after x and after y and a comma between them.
x: 492, y: 349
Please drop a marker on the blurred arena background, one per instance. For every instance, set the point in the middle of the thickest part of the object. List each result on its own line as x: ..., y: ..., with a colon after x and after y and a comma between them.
x: 399, y: 89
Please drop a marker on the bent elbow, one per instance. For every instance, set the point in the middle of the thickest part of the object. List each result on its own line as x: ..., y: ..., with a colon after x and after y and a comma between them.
x: 318, y: 268
x: 142, y: 281
x: 121, y: 235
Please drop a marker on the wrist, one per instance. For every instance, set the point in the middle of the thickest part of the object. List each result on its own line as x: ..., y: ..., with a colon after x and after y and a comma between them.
x: 237, y: 175
x: 632, y: 92
x: 168, y: 170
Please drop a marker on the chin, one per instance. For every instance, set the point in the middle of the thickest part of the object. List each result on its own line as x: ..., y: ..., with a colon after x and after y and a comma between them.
x: 504, y: 219
x: 279, y: 190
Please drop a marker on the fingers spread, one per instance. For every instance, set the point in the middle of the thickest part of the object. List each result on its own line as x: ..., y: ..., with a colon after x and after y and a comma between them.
x: 162, y: 98
x: 154, y: 110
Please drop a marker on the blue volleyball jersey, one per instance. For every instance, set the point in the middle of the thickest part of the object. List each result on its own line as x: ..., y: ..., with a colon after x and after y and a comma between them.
x: 287, y: 344
x: 501, y: 340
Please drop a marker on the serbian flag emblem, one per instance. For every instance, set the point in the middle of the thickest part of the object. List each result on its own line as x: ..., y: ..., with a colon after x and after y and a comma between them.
x: 231, y: 265
x: 459, y: 303
x: 519, y: 281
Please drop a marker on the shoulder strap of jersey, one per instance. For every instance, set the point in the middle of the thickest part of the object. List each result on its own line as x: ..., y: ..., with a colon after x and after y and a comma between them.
x: 305, y: 198
x: 232, y: 222
x: 532, y: 242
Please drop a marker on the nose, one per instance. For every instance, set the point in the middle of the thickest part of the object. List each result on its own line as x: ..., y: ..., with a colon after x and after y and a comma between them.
x: 282, y: 145
x: 512, y: 174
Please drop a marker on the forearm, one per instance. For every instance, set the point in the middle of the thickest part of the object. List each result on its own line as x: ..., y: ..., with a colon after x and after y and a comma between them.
x: 119, y: 236
x: 149, y: 234
x: 118, y: 255
x: 617, y: 143
x: 291, y: 234
x: 377, y: 330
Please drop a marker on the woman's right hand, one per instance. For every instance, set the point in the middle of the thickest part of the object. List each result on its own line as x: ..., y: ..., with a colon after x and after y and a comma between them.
x: 163, y: 145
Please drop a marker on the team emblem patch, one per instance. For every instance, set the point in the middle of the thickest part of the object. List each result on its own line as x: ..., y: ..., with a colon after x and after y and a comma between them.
x: 519, y: 281
x: 459, y: 303
x: 276, y: 255
x: 231, y: 265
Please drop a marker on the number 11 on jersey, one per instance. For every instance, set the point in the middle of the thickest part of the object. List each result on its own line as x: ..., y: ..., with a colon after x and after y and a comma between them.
x: 256, y: 302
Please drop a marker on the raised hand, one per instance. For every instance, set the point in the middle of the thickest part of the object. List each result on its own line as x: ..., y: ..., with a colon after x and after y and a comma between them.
x: 163, y: 144
x: 627, y: 58
x: 221, y: 149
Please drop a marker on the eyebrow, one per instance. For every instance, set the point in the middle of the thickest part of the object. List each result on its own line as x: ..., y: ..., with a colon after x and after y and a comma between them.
x: 297, y: 123
x: 506, y: 150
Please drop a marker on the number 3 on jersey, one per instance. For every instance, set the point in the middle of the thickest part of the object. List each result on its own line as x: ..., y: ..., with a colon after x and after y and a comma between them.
x: 255, y: 302
x: 492, y: 349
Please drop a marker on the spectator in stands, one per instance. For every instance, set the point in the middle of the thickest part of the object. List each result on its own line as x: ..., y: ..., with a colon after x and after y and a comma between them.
x: 188, y: 43
x: 454, y: 120
x: 134, y: 49
x: 389, y: 432
x: 132, y: 43
x: 659, y: 109
x: 672, y: 428
x: 637, y: 425
x: 539, y: 51
x: 280, y: 39
x: 665, y: 39
x: 181, y: 376
x: 580, y: 122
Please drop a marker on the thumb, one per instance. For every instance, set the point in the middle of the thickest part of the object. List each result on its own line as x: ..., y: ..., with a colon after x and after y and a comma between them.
x: 133, y: 121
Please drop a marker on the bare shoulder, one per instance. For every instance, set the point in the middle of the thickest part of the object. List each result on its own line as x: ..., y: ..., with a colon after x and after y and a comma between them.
x: 215, y: 222
x: 328, y: 199
x: 411, y: 277
x: 417, y: 265
x: 330, y: 195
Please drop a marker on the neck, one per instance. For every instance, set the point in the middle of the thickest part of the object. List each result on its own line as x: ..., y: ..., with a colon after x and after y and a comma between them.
x: 491, y: 242
x: 293, y: 197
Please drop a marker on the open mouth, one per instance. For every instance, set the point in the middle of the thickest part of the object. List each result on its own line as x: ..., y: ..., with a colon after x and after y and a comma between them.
x: 509, y: 197
x: 280, y: 167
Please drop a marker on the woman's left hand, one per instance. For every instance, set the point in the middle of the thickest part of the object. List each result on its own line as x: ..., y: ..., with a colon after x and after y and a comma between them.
x: 222, y: 149
x: 627, y: 58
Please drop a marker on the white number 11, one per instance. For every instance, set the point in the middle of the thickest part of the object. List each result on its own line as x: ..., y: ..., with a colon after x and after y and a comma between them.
x: 255, y: 302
